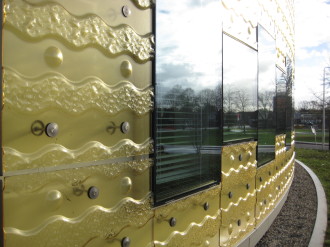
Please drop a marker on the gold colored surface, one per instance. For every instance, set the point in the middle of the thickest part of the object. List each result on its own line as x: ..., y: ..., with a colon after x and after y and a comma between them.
x: 84, y: 90
x: 283, y: 178
x: 238, y: 194
x: 53, y: 20
x: 126, y: 68
x: 110, y: 13
x: 54, y: 154
x: 53, y: 90
x: 89, y: 137
x: 138, y: 237
x: 194, y: 225
x: 280, y: 149
x: 232, y: 232
x: 27, y: 58
x: 56, y: 204
x: 53, y: 57
x: 265, y: 190
x: 144, y: 3
x: 240, y: 20
x: 62, y: 64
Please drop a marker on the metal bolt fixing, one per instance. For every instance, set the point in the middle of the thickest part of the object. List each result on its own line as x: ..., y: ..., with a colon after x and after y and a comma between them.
x: 126, y: 11
x: 93, y: 192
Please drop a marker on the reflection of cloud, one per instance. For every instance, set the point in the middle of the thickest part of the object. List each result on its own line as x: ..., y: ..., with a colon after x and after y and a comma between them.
x: 164, y: 11
x: 170, y: 72
x: 188, y: 50
x: 195, y: 3
x: 266, y: 61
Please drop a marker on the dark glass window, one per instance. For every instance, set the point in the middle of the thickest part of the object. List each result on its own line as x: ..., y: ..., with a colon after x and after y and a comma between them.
x: 240, y: 69
x: 266, y: 95
x: 289, y: 104
x: 281, y: 100
x: 188, y: 97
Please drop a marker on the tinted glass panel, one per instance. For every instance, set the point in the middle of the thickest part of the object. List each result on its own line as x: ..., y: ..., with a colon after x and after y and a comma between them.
x: 239, y: 90
x: 289, y: 104
x: 266, y: 95
x: 188, y: 97
x: 280, y: 101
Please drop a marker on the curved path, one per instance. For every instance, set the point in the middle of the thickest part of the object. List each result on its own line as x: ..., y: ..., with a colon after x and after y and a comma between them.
x: 294, y: 225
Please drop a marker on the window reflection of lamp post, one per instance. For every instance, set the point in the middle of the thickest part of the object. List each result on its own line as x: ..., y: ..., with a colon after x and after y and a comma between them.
x: 323, y: 108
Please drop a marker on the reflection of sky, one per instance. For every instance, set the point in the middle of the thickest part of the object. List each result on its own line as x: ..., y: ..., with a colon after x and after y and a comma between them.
x: 188, y: 51
x: 267, y: 60
x: 240, y: 68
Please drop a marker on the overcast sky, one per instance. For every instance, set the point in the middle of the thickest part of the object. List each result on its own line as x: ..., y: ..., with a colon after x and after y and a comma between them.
x: 312, y: 47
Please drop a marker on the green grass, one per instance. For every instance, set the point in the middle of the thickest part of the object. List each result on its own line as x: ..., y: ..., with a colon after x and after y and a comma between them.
x: 319, y: 162
x: 306, y: 135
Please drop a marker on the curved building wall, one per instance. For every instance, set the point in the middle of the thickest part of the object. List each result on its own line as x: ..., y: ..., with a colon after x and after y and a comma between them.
x: 94, y: 154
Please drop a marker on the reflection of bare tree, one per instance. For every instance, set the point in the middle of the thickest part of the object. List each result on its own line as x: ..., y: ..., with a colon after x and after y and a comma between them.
x: 311, y: 105
x: 265, y: 105
x: 242, y: 103
x: 229, y: 106
x: 228, y: 99
x: 207, y: 97
x: 190, y: 114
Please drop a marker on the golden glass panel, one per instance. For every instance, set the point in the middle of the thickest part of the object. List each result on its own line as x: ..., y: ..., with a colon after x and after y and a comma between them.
x: 57, y: 210
x: 58, y: 204
x: 266, y: 190
x: 110, y: 14
x: 238, y: 194
x: 79, y: 65
x: 64, y: 72
x: 237, y: 223
x: 194, y: 225
x: 52, y: 19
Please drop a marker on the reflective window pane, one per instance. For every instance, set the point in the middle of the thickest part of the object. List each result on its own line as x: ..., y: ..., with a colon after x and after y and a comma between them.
x: 188, y: 97
x: 281, y: 101
x: 284, y: 103
x: 266, y: 95
x: 289, y: 103
x: 239, y: 90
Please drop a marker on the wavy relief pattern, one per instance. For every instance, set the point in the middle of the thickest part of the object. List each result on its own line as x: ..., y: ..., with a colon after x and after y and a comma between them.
x: 56, y: 154
x: 234, y: 238
x: 239, y: 148
x: 240, y: 199
x: 195, y: 234
x: 199, y: 199
x: 54, y: 90
x: 89, y: 30
x: 74, y: 179
x: 143, y: 4
x: 96, y: 222
x: 240, y: 169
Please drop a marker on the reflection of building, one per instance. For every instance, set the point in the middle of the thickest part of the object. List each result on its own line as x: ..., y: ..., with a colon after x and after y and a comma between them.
x: 308, y: 118
x: 283, y: 111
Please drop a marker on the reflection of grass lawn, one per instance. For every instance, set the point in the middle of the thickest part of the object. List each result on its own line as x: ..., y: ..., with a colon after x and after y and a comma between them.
x: 306, y: 135
x: 319, y: 162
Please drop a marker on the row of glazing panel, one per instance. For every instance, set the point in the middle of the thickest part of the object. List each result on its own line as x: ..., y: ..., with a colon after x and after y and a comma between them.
x: 212, y: 90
